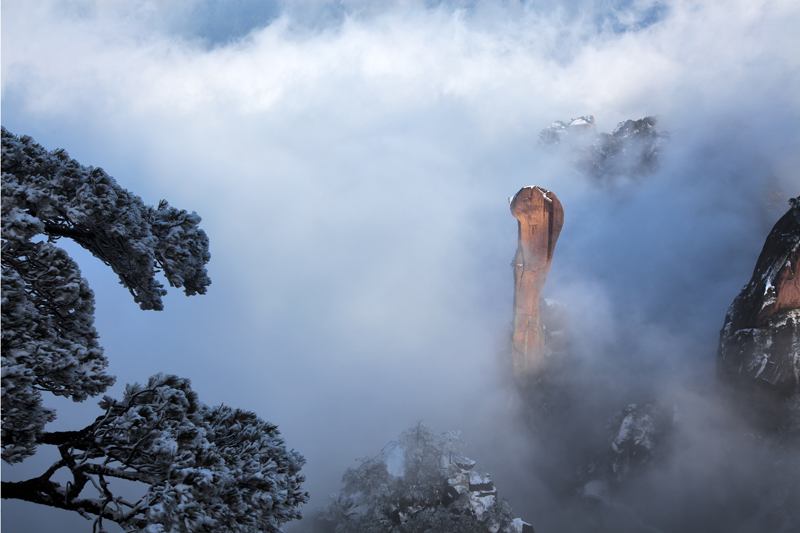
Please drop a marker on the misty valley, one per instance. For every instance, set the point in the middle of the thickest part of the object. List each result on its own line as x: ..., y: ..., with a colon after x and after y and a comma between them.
x: 726, y: 458
x: 719, y: 456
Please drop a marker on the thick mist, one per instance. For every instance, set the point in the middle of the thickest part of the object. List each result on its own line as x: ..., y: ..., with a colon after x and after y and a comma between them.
x: 352, y: 163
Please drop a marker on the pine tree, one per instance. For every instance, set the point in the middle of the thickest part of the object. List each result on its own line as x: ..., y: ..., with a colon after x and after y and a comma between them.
x: 204, y: 468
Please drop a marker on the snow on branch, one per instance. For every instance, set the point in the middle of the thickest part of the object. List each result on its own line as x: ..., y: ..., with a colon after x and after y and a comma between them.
x: 206, y: 468
x: 49, y: 341
x: 47, y: 192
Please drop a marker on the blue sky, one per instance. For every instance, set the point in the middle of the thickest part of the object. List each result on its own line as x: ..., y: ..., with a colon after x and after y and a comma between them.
x: 351, y: 162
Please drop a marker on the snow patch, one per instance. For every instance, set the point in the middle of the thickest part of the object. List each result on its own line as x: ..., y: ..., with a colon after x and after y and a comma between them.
x: 393, y: 456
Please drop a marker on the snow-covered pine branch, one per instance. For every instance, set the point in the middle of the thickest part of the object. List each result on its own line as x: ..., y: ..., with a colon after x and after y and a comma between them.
x: 49, y: 340
x: 57, y: 196
x: 204, y: 468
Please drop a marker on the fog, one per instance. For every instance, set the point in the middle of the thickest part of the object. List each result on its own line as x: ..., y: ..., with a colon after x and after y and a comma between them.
x: 352, y: 164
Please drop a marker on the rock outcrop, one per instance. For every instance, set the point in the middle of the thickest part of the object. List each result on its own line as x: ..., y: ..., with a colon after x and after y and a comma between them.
x: 419, y: 482
x: 759, y: 347
x: 540, y: 218
x: 630, y: 151
x: 637, y: 437
x: 559, y: 130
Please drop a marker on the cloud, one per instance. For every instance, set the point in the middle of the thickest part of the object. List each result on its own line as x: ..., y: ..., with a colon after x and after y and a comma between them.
x: 351, y: 165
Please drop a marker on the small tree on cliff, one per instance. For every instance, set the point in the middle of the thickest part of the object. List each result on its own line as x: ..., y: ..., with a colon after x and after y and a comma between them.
x: 429, y: 489
x: 204, y: 468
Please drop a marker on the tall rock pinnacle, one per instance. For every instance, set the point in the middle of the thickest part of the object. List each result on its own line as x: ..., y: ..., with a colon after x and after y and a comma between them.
x: 540, y: 218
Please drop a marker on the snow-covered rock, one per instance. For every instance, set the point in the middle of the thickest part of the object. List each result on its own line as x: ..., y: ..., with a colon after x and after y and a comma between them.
x: 519, y: 526
x: 637, y: 436
x: 596, y: 490
x: 636, y: 432
x: 631, y: 150
x: 759, y: 347
x: 419, y: 482
x: 393, y: 456
x: 559, y: 130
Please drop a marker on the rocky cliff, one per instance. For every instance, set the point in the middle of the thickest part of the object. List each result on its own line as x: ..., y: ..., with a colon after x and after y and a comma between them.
x: 630, y: 151
x: 540, y: 218
x: 759, y: 347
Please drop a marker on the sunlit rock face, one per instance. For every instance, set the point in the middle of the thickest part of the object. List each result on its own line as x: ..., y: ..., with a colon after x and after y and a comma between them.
x: 540, y: 218
x: 759, y: 348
